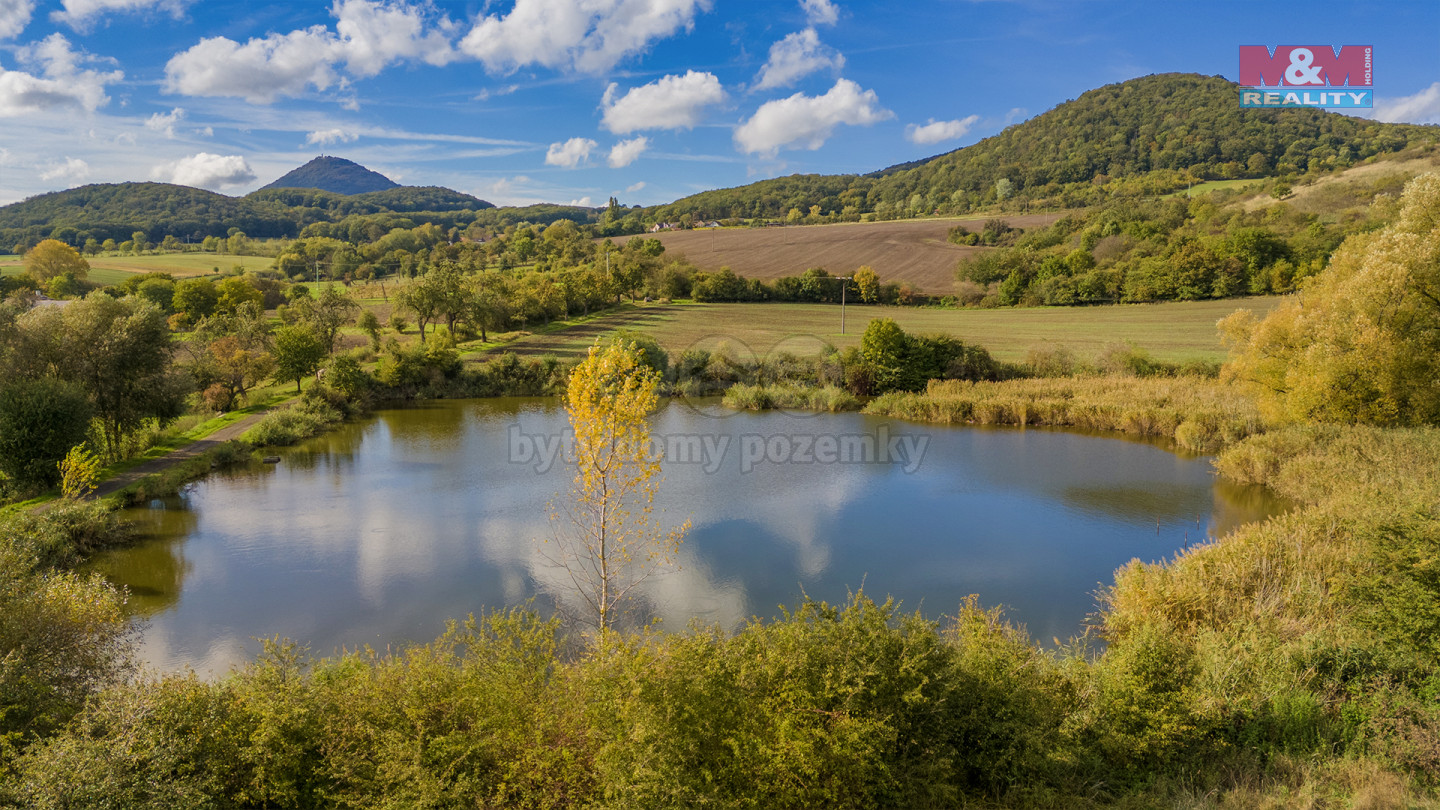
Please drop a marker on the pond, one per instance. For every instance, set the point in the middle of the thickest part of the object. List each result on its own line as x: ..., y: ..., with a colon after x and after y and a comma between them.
x: 378, y: 532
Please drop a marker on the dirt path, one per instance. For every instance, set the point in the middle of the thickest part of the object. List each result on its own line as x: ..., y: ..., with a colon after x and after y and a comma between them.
x: 112, y: 485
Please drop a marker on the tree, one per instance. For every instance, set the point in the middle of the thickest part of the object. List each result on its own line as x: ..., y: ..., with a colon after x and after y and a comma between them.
x: 370, y: 324
x: 196, y: 297
x: 327, y: 312
x: 421, y: 299
x: 52, y: 259
x: 234, y: 292
x: 117, y: 351
x: 868, y: 282
x: 606, y: 539
x: 1361, y: 342
x: 298, y: 353
x: 40, y: 420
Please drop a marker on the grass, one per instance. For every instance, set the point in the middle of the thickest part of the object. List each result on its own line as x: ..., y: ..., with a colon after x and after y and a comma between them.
x: 1173, y: 332
x: 1199, y: 414
x: 1214, y: 185
x: 115, y: 269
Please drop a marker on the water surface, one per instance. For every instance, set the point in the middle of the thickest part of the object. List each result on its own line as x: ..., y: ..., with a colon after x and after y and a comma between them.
x: 377, y: 533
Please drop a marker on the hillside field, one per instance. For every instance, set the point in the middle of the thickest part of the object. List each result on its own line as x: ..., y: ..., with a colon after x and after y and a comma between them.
x: 1173, y: 332
x: 115, y: 269
x: 908, y: 250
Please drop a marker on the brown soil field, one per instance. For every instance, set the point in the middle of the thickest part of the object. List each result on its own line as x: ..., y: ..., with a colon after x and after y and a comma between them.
x: 911, y: 250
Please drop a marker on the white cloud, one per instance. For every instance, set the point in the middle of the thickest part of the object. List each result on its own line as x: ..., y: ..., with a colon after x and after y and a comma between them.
x: 671, y: 102
x: 634, y: 187
x: 569, y: 154
x: 375, y: 34
x: 325, y: 137
x: 165, y: 122
x: 1421, y: 108
x: 64, y: 83
x: 71, y: 170
x: 205, y: 170
x: 258, y: 71
x: 805, y: 122
x: 14, y: 16
x: 583, y: 202
x: 591, y: 36
x: 369, y: 35
x: 78, y: 14
x: 937, y: 131
x: 820, y: 12
x: 795, y: 56
x: 626, y: 152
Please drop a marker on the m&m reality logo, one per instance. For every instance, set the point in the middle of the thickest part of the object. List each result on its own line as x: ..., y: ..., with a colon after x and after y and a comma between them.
x: 1306, y: 76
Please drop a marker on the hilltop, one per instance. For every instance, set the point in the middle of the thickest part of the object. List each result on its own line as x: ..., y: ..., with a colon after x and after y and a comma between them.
x: 336, y: 175
x: 1143, y: 136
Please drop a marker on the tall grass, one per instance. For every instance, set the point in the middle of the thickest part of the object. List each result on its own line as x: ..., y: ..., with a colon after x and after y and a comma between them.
x: 1198, y: 413
x: 796, y: 397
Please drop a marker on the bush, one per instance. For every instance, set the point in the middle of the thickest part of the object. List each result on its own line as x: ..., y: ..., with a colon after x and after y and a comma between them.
x: 288, y: 426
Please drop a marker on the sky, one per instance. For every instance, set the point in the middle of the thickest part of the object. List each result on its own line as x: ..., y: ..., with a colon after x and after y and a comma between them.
x: 575, y: 101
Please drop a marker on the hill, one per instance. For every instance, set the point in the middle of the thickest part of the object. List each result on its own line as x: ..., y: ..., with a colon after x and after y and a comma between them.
x: 1143, y: 136
x: 336, y: 175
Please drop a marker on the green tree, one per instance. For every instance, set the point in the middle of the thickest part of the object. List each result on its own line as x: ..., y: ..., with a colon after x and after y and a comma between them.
x: 196, y: 297
x: 53, y: 258
x: 234, y: 292
x: 298, y: 353
x: 117, y: 351
x: 40, y: 420
x: 1361, y: 341
x: 607, y: 539
x: 369, y: 323
x: 327, y: 313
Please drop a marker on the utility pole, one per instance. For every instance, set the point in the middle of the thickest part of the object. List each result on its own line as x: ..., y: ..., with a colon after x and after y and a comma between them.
x: 843, y: 286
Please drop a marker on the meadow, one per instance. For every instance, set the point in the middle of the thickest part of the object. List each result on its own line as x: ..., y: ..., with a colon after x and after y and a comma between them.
x: 115, y: 269
x: 1173, y: 332
x: 914, y: 251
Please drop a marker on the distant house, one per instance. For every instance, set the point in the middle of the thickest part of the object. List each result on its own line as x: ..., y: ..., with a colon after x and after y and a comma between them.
x: 663, y: 226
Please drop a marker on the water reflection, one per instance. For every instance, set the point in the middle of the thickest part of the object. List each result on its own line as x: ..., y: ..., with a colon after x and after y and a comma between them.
x: 377, y: 533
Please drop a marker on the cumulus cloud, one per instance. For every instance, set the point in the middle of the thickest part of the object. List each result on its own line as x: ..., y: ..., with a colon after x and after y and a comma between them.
x: 671, y: 102
x: 62, y: 82
x: 805, y: 122
x: 369, y: 35
x: 325, y: 137
x: 79, y: 14
x: 205, y: 170
x: 796, y: 56
x: 936, y: 131
x: 626, y: 152
x: 634, y: 187
x: 583, y: 202
x: 1421, y: 108
x: 71, y: 170
x: 14, y: 16
x: 591, y: 36
x: 165, y: 122
x: 569, y: 154
x: 375, y: 34
x: 820, y: 12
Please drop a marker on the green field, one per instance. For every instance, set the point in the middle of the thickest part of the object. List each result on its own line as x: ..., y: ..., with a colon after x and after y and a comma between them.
x: 1172, y: 332
x: 1214, y: 185
x: 115, y: 269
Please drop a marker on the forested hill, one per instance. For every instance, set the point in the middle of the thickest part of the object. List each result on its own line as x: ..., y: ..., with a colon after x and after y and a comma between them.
x: 336, y: 175
x: 1143, y: 136
x: 115, y: 211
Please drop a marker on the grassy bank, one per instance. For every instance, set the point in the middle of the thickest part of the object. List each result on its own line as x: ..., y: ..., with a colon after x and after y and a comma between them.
x: 1198, y: 413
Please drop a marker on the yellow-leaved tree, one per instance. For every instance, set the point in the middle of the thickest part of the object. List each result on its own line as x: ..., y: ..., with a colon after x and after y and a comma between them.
x: 1360, y: 343
x: 606, y: 537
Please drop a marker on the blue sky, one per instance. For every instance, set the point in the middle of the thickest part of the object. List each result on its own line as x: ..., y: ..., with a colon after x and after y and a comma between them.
x: 520, y: 101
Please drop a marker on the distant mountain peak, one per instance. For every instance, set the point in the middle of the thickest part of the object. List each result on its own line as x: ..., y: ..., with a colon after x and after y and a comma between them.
x: 336, y: 175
